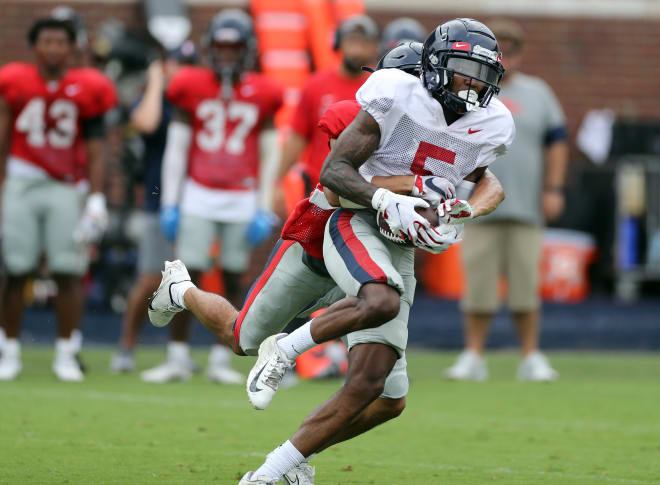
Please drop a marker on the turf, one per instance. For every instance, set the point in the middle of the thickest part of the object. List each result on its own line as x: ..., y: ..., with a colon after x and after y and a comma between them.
x: 600, y: 424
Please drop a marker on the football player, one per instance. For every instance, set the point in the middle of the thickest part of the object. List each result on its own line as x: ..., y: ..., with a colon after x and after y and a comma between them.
x: 295, y: 276
x: 218, y: 169
x: 51, y: 121
x: 446, y: 124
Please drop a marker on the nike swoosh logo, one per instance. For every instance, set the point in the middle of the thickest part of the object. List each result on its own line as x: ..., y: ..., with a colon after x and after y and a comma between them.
x: 291, y: 482
x: 435, y: 188
x: 253, y: 384
x: 471, y: 131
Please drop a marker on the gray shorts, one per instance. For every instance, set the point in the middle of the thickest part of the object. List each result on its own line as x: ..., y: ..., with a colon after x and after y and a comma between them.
x: 196, y: 235
x: 286, y: 289
x: 41, y: 214
x: 153, y: 246
x: 355, y: 254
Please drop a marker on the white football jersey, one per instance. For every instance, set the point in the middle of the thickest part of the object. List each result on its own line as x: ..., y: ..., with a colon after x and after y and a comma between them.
x: 415, y: 138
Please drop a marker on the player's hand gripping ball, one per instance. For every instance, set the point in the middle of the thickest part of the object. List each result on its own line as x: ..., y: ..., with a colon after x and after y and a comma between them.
x: 427, y: 213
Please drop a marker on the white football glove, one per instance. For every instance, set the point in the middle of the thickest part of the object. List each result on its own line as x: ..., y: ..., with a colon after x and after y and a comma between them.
x: 438, y: 239
x: 94, y: 220
x: 399, y: 212
x: 435, y: 190
x: 455, y: 211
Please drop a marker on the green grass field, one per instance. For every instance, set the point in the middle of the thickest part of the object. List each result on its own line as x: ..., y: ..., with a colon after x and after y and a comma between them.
x: 600, y: 424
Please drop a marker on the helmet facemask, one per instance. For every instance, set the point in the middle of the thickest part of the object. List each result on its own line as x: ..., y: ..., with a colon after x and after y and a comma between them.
x: 481, y: 68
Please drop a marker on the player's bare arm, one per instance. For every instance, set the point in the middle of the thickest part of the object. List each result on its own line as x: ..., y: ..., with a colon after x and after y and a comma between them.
x: 488, y: 192
x: 352, y: 149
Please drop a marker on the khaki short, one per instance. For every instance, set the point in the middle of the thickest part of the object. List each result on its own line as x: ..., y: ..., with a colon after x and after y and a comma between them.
x: 41, y: 214
x: 493, y: 249
x: 196, y: 235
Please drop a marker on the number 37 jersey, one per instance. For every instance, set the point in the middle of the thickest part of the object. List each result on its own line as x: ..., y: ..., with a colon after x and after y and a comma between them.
x: 47, y: 116
x: 224, y: 151
x: 415, y: 138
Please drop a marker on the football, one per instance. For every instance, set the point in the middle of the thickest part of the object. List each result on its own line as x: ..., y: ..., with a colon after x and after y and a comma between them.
x: 427, y: 213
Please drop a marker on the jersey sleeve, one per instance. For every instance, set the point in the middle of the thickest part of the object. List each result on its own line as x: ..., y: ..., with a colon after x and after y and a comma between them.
x: 554, y: 116
x: 377, y: 95
x: 102, y: 95
x: 178, y: 92
x: 275, y: 98
x: 337, y: 117
x: 500, y: 141
x: 385, y: 96
x: 302, y: 121
x: 10, y: 81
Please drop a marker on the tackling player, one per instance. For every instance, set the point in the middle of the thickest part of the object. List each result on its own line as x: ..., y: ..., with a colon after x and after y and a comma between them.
x: 446, y: 125
x: 218, y: 170
x: 51, y: 118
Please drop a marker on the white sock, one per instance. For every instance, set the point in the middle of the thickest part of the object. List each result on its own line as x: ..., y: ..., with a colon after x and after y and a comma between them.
x: 279, y: 461
x: 298, y: 341
x: 178, y: 351
x: 220, y: 356
x: 178, y: 290
x: 12, y: 348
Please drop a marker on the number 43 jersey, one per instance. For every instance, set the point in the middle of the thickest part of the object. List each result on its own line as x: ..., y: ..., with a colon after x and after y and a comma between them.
x: 48, y: 116
x: 415, y: 138
x: 224, y: 151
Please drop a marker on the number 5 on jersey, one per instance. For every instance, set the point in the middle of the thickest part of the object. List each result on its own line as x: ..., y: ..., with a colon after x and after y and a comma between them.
x: 427, y: 150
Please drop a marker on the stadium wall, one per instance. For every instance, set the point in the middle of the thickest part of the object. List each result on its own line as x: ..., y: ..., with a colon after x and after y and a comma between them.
x: 591, y: 62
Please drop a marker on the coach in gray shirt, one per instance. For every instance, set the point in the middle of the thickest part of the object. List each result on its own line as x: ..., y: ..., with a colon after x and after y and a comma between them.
x: 508, y: 241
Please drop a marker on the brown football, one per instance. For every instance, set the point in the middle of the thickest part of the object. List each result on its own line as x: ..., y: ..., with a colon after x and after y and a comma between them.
x: 427, y: 213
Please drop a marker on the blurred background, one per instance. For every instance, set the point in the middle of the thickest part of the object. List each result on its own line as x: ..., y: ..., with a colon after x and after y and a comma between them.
x: 600, y: 268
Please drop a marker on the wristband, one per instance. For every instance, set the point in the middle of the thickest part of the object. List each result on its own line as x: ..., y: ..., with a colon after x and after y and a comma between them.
x: 553, y: 188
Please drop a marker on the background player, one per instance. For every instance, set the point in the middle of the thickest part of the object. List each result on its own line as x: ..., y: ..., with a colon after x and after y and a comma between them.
x: 357, y: 41
x: 51, y: 117
x: 150, y: 117
x: 218, y: 169
x: 405, y: 126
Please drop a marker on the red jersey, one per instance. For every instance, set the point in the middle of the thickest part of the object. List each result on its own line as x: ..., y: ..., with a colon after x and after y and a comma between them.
x: 224, y: 153
x: 321, y: 90
x: 47, y: 116
x: 306, y: 224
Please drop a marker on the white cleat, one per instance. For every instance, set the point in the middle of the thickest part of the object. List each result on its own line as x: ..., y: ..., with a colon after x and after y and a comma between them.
x: 161, y: 305
x: 303, y: 474
x: 248, y: 479
x: 535, y: 367
x: 168, y: 371
x: 65, y: 365
x: 224, y: 375
x: 469, y: 366
x: 266, y: 375
x: 10, y: 361
x: 122, y: 362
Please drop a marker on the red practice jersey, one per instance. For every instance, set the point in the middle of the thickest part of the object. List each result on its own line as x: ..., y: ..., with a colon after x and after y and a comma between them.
x: 322, y: 90
x: 306, y: 224
x: 224, y: 153
x: 47, y: 116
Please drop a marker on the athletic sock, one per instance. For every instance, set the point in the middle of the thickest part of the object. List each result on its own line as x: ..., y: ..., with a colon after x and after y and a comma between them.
x: 177, y: 290
x: 279, y: 461
x: 178, y: 352
x: 298, y: 341
x: 220, y: 356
